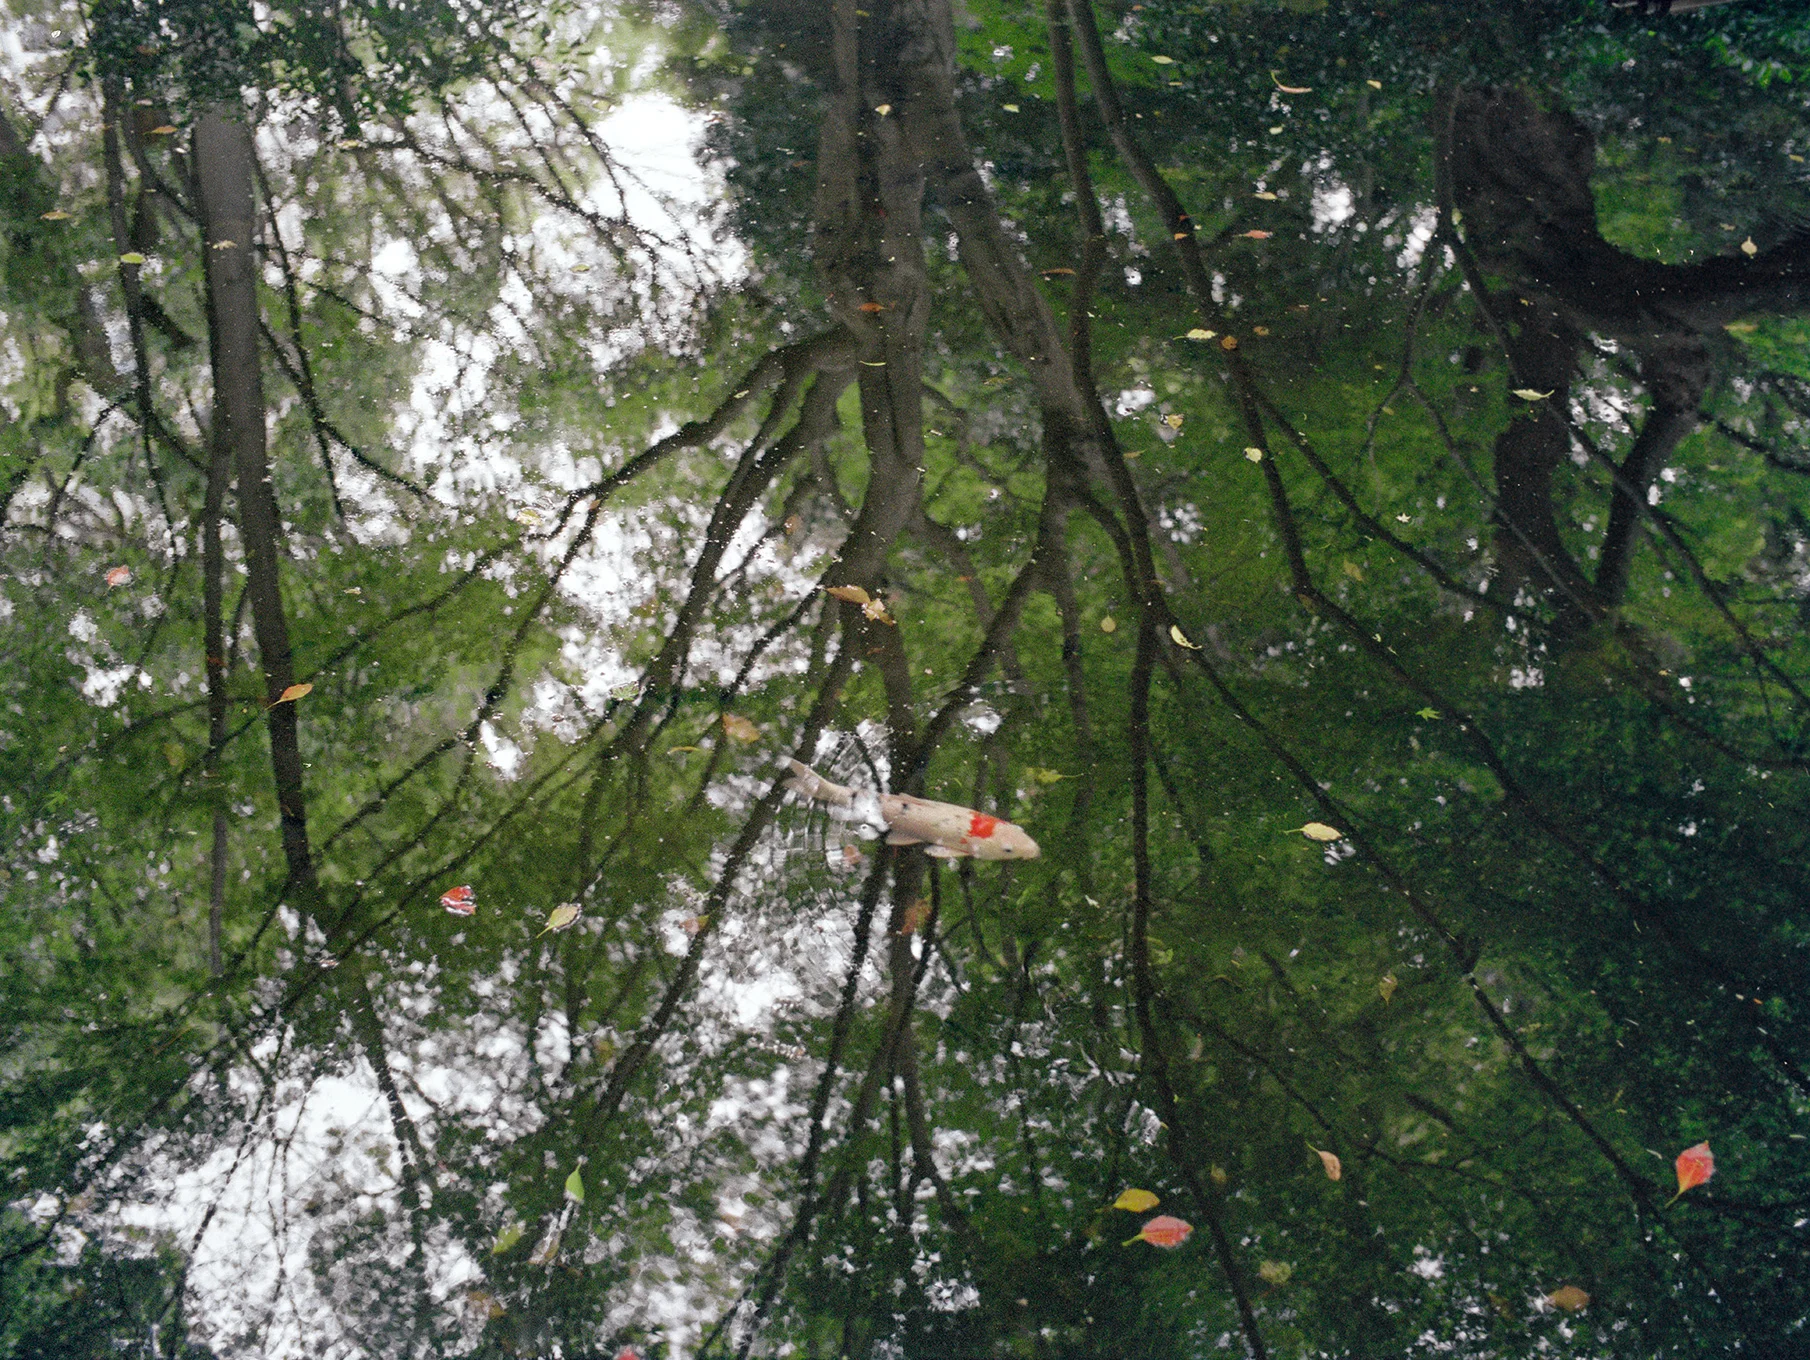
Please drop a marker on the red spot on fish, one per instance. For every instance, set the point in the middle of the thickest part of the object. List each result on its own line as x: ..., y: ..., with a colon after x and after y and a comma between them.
x: 982, y: 826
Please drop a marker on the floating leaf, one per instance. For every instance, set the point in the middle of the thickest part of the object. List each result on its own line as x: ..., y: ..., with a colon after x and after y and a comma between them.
x: 1430, y: 714
x: 914, y: 917
x: 349, y: 144
x: 1180, y: 639
x: 1198, y: 333
x: 876, y: 610
x: 1569, y: 1297
x: 132, y: 257
x: 1254, y: 454
x: 1162, y: 1231
x: 1528, y: 394
x: 1329, y: 1160
x: 1275, y: 1272
x: 1387, y: 987
x: 852, y: 855
x: 561, y: 917
x: 1254, y: 235
x: 1063, y: 272
x: 1045, y: 776
x: 1109, y: 624
x: 547, y: 1251
x: 1174, y: 421
x: 1228, y: 342
x: 882, y: 109
x: 1009, y: 108
x: 1319, y: 831
x: 871, y: 307
x: 1374, y: 84
x: 1218, y: 1176
x: 486, y: 1303
x: 165, y: 130
x: 1164, y: 61
x: 460, y: 901
x: 694, y: 925
x: 173, y: 752
x: 1695, y: 1165
x: 1137, y: 1201
x: 1740, y: 328
x: 293, y: 693
x: 792, y: 525
x: 1290, y: 89
x: 581, y: 269
x: 740, y: 728
x: 1265, y: 195
x: 853, y: 594
x: 224, y: 245
x: 1353, y: 570
x: 682, y: 750
x: 575, y: 1186
x: 118, y: 576
x: 507, y: 1239
x: 54, y: 215
x: 1749, y: 248
x: 1404, y: 519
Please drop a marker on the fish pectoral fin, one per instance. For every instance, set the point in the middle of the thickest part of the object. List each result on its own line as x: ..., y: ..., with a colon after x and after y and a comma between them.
x: 944, y: 852
x: 901, y: 838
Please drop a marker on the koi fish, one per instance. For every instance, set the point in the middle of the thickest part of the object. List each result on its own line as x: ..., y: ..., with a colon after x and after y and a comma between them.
x: 947, y: 830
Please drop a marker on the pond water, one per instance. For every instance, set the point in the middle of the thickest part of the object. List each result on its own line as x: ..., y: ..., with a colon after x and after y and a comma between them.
x: 1275, y: 536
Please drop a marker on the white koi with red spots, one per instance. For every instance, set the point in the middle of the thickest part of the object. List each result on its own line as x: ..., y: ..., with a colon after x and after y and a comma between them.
x: 947, y: 830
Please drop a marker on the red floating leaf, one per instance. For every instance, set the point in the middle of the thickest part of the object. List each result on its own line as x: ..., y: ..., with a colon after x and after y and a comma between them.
x: 460, y: 901
x: 1254, y: 235
x: 1162, y: 1231
x: 1695, y: 1165
x: 118, y: 576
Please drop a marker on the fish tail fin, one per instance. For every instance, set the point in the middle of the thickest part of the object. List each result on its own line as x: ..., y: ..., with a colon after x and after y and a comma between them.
x: 807, y: 783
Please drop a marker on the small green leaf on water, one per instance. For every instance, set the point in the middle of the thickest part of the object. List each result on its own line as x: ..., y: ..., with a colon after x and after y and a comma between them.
x: 1137, y: 1201
x: 561, y: 917
x: 1528, y: 394
x: 131, y: 257
x: 1430, y: 714
x: 507, y: 1239
x: 1319, y: 831
x: 1387, y: 987
x: 1254, y: 454
x: 1275, y: 1272
x: 1164, y: 61
x: 575, y: 1186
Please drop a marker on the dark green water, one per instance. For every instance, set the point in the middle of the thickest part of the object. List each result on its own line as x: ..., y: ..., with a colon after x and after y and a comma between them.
x: 1334, y: 475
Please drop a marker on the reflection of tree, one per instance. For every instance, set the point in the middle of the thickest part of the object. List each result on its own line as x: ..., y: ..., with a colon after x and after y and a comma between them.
x: 1475, y: 1102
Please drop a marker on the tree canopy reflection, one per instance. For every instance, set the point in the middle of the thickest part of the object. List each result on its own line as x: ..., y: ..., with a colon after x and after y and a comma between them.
x: 1332, y: 474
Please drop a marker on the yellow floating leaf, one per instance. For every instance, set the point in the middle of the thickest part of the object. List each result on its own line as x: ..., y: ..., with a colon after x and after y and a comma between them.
x: 54, y: 215
x: 1319, y: 831
x: 1275, y: 1272
x: 1218, y: 1176
x: 853, y: 594
x: 349, y: 144
x: 882, y: 109
x: 1109, y: 624
x: 1749, y: 248
x: 1330, y: 1161
x: 581, y: 269
x: 1198, y: 333
x: 561, y: 917
x: 1254, y: 454
x: 1044, y: 776
x: 740, y: 728
x: 1528, y: 394
x: 1291, y: 89
x: 1260, y: 330
x: 1569, y: 1297
x: 1180, y: 639
x: 1374, y: 84
x: 1009, y: 108
x: 1353, y: 570
x: 1136, y: 1201
x: 293, y: 693
x: 1386, y: 987
x: 1164, y: 61
x: 1265, y: 195
x: 132, y: 257
x: 1173, y: 421
x: 224, y: 245
x: 681, y: 750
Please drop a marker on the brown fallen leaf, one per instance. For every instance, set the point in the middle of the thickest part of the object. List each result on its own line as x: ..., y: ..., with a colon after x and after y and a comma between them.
x: 740, y: 728
x: 1569, y: 1297
x: 1329, y: 1160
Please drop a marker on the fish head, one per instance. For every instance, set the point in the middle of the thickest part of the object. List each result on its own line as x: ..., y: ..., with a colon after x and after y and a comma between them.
x: 1006, y: 842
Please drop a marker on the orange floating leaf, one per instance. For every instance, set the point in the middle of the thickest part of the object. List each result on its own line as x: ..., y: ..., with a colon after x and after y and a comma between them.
x: 460, y: 901
x: 118, y: 576
x: 1569, y: 1297
x: 740, y: 728
x: 1329, y: 1160
x: 1137, y: 1201
x: 1255, y: 235
x: 1162, y: 1231
x: 871, y: 307
x: 1695, y: 1165
x: 293, y: 693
